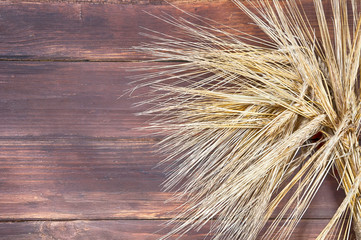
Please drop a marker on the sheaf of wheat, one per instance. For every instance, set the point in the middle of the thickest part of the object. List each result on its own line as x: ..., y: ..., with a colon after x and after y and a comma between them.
x: 240, y: 114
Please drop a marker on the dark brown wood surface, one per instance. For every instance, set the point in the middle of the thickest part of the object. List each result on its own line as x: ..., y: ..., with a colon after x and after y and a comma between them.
x: 103, y: 32
x: 120, y: 230
x: 73, y: 162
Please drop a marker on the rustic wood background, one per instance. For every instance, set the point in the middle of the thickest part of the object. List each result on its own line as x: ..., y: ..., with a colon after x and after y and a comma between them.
x: 72, y: 164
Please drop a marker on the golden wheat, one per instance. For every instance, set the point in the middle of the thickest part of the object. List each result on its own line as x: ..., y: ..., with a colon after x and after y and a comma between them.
x: 240, y: 113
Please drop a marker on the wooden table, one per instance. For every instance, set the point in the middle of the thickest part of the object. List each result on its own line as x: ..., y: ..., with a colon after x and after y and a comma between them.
x: 72, y: 164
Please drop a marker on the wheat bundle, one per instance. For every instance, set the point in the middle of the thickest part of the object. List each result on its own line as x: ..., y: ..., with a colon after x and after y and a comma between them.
x: 240, y: 114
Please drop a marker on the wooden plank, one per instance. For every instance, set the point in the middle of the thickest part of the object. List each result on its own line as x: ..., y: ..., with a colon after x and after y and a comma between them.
x: 101, y: 32
x: 97, y: 1
x: 121, y: 230
x: 75, y: 178
x: 68, y: 99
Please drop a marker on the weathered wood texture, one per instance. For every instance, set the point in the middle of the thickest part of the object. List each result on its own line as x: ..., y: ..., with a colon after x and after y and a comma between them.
x: 73, y: 164
x: 67, y: 148
x: 68, y: 31
x: 81, y: 99
x: 120, y: 230
x: 69, y: 151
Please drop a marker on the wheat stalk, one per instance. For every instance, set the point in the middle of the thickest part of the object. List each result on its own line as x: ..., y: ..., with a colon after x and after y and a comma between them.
x: 240, y: 113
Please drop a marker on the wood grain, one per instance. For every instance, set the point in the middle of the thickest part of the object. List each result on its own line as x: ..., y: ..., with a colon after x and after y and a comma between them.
x: 74, y: 178
x: 69, y: 151
x: 121, y: 230
x: 102, y: 32
x: 73, y: 164
x: 68, y: 99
